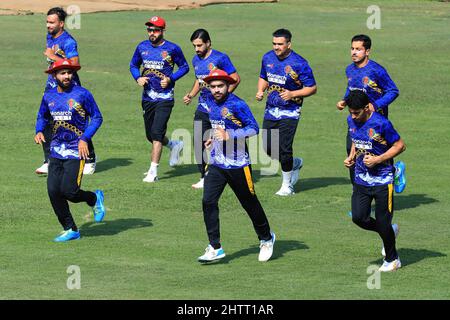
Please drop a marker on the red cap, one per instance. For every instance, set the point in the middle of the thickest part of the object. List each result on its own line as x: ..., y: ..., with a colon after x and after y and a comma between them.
x: 157, y: 22
x: 217, y: 74
x: 63, y: 64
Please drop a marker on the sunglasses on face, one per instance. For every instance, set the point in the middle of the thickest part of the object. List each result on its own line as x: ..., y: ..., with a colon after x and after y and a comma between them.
x: 154, y: 30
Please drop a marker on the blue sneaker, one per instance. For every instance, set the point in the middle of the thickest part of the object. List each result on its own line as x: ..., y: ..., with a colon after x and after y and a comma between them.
x: 99, y: 208
x: 67, y: 235
x: 400, y: 177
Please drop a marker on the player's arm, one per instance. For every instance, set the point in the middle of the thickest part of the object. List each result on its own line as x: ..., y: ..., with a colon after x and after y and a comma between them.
x: 397, y: 148
x: 43, y: 118
x: 183, y: 68
x: 350, y: 160
x: 135, y: 68
x: 237, y: 78
x: 192, y: 93
x: 262, y: 86
x: 301, y: 93
x: 390, y: 91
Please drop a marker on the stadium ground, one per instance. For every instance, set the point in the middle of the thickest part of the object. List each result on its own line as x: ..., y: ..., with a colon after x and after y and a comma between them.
x: 152, y: 234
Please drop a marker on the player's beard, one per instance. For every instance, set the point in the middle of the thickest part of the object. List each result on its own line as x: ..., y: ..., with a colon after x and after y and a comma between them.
x: 64, y: 84
x: 157, y: 39
x: 54, y: 31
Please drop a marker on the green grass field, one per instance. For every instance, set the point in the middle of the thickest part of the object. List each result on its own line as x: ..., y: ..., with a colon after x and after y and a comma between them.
x: 152, y: 234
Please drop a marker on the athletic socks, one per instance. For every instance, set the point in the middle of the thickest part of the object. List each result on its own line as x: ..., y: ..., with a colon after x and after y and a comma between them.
x: 286, y: 178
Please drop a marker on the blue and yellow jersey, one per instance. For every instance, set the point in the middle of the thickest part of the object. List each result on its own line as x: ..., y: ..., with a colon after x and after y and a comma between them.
x: 374, y: 137
x: 74, y: 115
x: 64, y: 46
x: 374, y: 80
x: 234, y: 116
x: 157, y: 63
x: 202, y: 68
x: 292, y: 73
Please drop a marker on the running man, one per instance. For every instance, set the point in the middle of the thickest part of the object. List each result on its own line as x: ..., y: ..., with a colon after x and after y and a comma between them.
x: 370, y: 77
x: 75, y: 118
x: 61, y: 45
x: 375, y: 143
x: 206, y: 60
x: 288, y: 79
x: 158, y: 57
x: 232, y: 123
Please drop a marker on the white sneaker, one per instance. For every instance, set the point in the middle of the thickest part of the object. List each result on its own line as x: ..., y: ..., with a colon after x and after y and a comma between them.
x: 199, y: 185
x: 42, y: 169
x: 89, y: 168
x: 390, y: 266
x: 396, y: 232
x: 298, y: 164
x: 285, y: 191
x: 266, y: 248
x: 175, y: 153
x: 212, y: 254
x: 150, y: 178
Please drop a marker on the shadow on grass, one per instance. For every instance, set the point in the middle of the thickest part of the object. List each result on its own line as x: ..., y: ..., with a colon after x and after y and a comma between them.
x: 110, y: 228
x: 181, y: 170
x: 410, y: 256
x: 280, y: 248
x: 411, y: 201
x: 322, y: 182
x: 112, y: 163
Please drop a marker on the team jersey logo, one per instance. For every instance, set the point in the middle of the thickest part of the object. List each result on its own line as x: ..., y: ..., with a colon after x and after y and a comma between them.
x: 166, y: 57
x: 365, y: 80
x: 226, y: 114
x: 287, y: 69
x: 211, y: 66
x: 270, y: 65
x: 376, y: 136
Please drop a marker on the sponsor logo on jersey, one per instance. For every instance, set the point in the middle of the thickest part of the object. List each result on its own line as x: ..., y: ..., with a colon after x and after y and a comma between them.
x: 275, y: 78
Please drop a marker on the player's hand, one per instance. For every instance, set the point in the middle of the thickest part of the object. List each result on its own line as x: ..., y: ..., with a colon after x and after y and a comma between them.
x: 39, y: 138
x: 371, y: 161
x: 371, y: 107
x: 286, y: 95
x: 142, y: 81
x: 221, y: 135
x: 165, y: 82
x: 208, y: 143
x: 49, y: 53
x: 259, y: 95
x: 83, y: 149
x: 349, y: 162
x: 341, y: 105
x: 187, y: 99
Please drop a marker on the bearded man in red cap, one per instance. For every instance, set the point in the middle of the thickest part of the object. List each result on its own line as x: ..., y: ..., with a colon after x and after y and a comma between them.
x: 75, y: 117
x: 158, y: 58
x: 232, y: 123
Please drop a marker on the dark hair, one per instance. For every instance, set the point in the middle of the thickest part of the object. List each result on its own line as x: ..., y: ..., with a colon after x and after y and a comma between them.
x: 285, y: 33
x: 201, y: 34
x: 59, y: 12
x: 357, y: 99
x: 367, y: 43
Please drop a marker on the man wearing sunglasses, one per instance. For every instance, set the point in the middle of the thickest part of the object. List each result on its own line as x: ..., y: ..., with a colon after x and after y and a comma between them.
x: 375, y: 143
x: 158, y: 58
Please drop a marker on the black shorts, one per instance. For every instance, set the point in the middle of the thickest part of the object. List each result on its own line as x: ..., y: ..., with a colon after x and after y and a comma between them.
x: 287, y: 129
x: 156, y: 117
x: 362, y: 201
